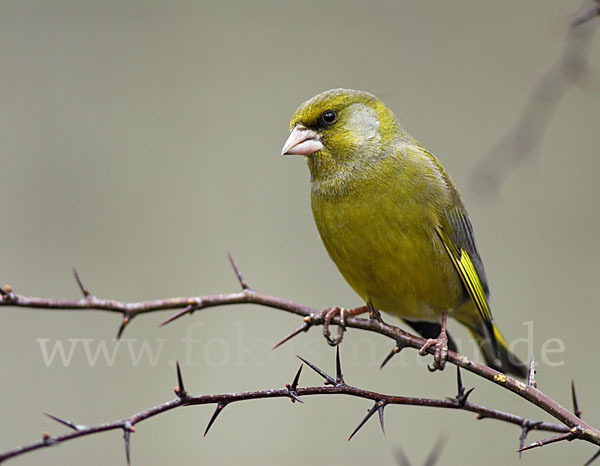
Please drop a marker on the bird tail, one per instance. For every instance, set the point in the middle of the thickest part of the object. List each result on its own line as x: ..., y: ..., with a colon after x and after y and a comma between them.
x: 498, y: 355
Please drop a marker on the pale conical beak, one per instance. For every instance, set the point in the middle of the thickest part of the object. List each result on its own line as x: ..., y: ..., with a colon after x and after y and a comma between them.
x: 302, y: 141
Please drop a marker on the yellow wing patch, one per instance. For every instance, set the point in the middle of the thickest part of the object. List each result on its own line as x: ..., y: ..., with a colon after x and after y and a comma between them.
x: 470, y: 279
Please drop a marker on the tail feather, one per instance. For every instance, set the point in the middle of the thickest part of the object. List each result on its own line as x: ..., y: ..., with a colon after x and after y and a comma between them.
x: 498, y: 356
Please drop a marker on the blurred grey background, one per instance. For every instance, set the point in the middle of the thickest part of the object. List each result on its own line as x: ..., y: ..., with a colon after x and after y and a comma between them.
x: 140, y: 142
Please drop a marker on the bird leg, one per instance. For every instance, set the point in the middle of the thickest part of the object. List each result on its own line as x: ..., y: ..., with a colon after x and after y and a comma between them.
x: 330, y: 313
x: 374, y: 313
x: 440, y: 354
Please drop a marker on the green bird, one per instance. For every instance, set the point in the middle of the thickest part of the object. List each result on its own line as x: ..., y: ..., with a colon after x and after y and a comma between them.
x: 394, y: 223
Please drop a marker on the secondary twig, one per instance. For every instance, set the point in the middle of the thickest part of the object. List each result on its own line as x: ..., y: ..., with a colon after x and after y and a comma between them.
x: 527, y: 132
x: 334, y: 386
x: 313, y: 317
x: 587, y: 15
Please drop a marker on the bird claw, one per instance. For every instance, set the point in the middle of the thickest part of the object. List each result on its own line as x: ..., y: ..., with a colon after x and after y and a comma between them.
x: 440, y: 354
x: 329, y: 314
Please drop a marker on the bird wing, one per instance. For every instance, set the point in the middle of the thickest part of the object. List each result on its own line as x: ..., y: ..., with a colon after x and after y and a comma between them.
x: 470, y: 278
x: 456, y: 234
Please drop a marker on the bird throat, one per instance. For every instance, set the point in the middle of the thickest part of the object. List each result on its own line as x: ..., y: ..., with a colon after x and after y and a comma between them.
x: 331, y: 177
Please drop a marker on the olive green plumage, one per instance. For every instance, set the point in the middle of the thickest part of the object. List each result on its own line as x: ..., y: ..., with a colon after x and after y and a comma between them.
x: 391, y: 218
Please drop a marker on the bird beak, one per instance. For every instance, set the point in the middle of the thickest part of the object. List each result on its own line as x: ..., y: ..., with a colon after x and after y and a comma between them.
x: 302, y: 141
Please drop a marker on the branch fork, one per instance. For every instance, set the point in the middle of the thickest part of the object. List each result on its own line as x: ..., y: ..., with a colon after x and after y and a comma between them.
x: 572, y: 426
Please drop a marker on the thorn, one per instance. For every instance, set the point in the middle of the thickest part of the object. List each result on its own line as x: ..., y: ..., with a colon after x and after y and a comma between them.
x: 370, y: 413
x: 462, y: 396
x: 395, y: 350
x: 328, y: 379
x: 303, y: 328
x: 294, y: 386
x: 218, y: 410
x: 436, y: 451
x: 531, y: 376
x: 380, y: 407
x: 527, y: 426
x: 557, y: 438
x: 190, y: 308
x: 339, y: 377
x: 180, y: 389
x: 82, y: 287
x: 69, y: 424
x: 592, y: 459
x: 238, y: 273
x: 127, y: 430
x: 124, y: 323
x: 463, y: 400
x: 576, y: 409
x: 295, y: 398
x: 459, y: 382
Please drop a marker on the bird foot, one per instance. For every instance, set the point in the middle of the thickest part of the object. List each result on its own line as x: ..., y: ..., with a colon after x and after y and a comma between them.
x: 440, y: 344
x: 331, y: 312
x: 440, y: 354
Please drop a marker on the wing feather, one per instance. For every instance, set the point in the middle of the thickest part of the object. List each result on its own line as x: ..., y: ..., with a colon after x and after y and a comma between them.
x: 470, y: 279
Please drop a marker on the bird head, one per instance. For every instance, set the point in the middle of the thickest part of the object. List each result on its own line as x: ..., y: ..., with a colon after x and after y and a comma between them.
x: 341, y: 132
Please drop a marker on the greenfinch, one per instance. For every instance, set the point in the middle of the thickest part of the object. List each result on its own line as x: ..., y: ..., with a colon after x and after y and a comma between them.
x: 394, y: 223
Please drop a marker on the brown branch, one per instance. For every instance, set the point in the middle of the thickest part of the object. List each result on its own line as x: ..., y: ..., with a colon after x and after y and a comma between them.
x: 587, y: 15
x: 573, y: 433
x: 594, y: 457
x: 525, y: 135
x: 312, y: 317
x: 334, y: 386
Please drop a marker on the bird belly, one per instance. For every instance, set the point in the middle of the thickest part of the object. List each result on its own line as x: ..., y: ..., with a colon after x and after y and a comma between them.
x: 390, y: 255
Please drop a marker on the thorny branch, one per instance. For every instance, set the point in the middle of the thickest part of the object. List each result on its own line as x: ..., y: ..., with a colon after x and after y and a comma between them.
x: 333, y: 386
x: 573, y: 427
x: 524, y: 137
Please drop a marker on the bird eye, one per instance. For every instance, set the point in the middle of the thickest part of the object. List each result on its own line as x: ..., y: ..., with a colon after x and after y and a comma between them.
x: 327, y: 118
